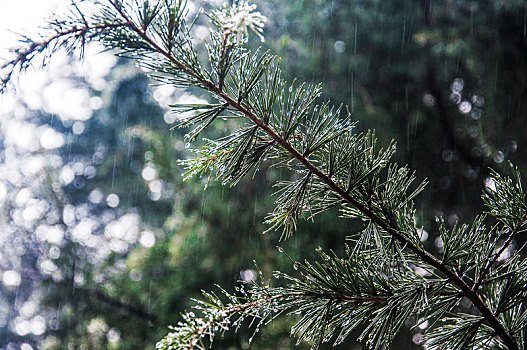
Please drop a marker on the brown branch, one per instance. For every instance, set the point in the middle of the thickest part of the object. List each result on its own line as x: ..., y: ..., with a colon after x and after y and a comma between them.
x: 399, y: 236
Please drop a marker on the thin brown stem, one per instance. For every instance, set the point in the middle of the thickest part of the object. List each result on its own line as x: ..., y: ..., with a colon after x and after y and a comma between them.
x: 469, y: 293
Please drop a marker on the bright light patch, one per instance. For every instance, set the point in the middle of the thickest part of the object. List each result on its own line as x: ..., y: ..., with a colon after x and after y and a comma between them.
x: 50, y: 139
x: 67, y: 175
x: 77, y: 128
x: 90, y: 171
x: 423, y: 234
x: 187, y: 99
x: 113, y: 336
x: 11, y: 278
x: 126, y: 228
x: 148, y: 239
x: 96, y: 196
x: 38, y: 325
x: 47, y: 267
x: 163, y: 94
x: 83, y: 230
x: 22, y: 135
x: 156, y: 186
x: 248, y: 275
x: 3, y: 192
x: 67, y: 101
x: 55, y: 235
x: 22, y: 327
x: 423, y: 324
x: 31, y: 213
x: 96, y: 102
x: 149, y: 173
x: 22, y: 196
x: 490, y: 184
x: 26, y: 346
x: 112, y: 200
x: 68, y: 215
x: 32, y: 165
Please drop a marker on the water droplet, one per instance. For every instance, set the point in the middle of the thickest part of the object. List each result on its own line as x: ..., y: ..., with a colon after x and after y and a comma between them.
x: 187, y: 145
x: 296, y: 266
x: 490, y: 184
x: 478, y: 101
x: 457, y: 85
x: 429, y: 100
x: 447, y: 155
x: 455, y: 97
x: 280, y: 249
x: 476, y: 114
x: 499, y: 157
x: 339, y: 46
x: 465, y: 107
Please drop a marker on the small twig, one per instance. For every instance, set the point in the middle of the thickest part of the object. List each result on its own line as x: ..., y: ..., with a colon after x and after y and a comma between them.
x: 38, y: 46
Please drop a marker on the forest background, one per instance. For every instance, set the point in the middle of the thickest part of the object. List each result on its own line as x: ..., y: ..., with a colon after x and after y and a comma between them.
x: 102, y: 243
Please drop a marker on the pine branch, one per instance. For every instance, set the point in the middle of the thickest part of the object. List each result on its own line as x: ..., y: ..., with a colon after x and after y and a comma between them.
x: 507, y: 202
x: 399, y: 236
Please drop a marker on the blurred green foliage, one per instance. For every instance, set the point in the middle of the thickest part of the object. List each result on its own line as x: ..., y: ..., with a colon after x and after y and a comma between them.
x: 405, y: 68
